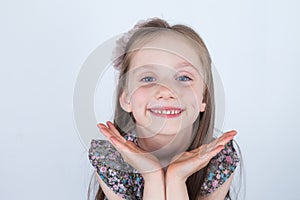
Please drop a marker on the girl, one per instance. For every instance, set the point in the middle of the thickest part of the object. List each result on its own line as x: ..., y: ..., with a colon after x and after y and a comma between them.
x: 161, y: 143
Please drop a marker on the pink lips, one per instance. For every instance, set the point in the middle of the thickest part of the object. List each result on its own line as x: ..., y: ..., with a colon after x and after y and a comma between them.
x: 166, y: 112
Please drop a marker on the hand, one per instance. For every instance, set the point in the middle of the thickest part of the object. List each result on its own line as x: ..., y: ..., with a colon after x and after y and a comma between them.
x: 185, y: 164
x: 141, y: 160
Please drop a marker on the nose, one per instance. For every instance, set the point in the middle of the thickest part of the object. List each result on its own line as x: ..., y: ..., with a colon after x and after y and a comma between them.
x: 164, y: 92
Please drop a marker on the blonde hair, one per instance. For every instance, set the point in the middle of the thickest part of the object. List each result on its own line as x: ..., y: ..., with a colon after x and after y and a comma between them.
x: 204, y: 124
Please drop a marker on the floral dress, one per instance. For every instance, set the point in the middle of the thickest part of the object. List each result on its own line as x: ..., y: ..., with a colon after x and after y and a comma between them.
x: 127, y: 183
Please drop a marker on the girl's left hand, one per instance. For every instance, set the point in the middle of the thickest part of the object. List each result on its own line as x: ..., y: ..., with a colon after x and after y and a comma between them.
x: 185, y: 164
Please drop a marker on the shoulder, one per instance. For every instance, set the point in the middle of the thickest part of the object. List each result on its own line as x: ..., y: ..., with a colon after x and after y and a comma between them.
x: 117, y: 175
x: 220, y: 169
x: 103, y: 153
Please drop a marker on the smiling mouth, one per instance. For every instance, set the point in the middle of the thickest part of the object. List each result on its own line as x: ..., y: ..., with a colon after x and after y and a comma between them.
x: 166, y: 112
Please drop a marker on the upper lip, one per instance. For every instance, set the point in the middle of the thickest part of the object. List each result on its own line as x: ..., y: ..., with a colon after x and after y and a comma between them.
x: 165, y: 108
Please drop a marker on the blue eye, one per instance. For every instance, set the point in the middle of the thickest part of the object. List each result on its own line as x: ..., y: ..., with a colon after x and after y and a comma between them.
x: 148, y: 79
x: 184, y: 78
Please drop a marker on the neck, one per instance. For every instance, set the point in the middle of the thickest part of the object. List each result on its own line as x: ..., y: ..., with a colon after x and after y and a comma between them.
x: 165, y: 146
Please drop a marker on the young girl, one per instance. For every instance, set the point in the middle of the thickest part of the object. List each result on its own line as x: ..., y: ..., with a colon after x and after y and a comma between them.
x: 161, y: 143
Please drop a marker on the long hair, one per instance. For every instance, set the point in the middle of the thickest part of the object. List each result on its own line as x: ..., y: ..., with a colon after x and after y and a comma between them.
x: 204, y: 124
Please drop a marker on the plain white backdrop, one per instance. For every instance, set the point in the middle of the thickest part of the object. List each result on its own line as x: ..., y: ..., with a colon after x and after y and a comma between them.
x: 254, y: 45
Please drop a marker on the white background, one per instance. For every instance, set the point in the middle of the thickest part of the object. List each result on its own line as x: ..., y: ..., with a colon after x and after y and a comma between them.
x: 254, y: 45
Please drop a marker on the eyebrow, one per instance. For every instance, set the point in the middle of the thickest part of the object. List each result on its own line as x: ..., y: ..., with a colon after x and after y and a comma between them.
x: 178, y: 66
x: 143, y: 68
x: 186, y: 64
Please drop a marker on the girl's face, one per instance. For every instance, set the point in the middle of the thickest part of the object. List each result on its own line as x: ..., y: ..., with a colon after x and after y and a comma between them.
x: 165, y: 87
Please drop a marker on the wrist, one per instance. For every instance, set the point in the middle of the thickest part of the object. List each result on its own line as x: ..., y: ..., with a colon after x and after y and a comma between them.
x: 174, y: 178
x: 155, y: 175
x: 154, y: 185
x: 176, y: 188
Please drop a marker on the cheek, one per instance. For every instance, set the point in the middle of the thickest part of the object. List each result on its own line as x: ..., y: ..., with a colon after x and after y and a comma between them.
x: 193, y: 98
x: 139, y: 101
x: 139, y: 98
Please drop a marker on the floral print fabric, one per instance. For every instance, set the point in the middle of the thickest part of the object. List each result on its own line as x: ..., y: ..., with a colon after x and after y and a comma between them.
x: 219, y: 169
x: 126, y: 182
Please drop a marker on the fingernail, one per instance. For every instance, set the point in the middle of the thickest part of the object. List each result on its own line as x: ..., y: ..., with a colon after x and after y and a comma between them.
x: 100, y: 125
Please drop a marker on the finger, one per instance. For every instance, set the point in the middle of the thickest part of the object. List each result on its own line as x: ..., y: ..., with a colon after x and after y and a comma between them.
x: 126, y: 147
x: 120, y: 146
x: 215, y: 151
x: 100, y: 125
x: 115, y: 131
x: 224, y: 139
x: 231, y: 133
x: 227, y: 138
x: 108, y: 132
x: 228, y: 134
x: 104, y: 130
x: 112, y: 133
x: 211, y: 153
x: 202, y: 158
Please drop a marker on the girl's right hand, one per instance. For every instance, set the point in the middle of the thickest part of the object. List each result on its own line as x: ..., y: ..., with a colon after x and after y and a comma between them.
x: 144, y: 162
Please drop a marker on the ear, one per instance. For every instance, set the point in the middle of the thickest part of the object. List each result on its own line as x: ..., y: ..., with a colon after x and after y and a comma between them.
x: 124, y: 101
x: 202, y: 107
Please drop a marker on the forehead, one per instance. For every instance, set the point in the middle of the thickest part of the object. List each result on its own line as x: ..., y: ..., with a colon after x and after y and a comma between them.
x: 167, y: 49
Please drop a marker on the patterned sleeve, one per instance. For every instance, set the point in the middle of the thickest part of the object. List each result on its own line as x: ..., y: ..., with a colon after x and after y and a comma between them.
x: 120, y: 177
x: 220, y: 168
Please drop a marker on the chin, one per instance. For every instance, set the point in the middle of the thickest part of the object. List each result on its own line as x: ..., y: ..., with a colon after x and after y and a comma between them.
x: 165, y: 131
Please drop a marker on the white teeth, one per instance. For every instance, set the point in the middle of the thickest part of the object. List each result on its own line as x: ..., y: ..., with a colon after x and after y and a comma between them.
x: 166, y: 112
